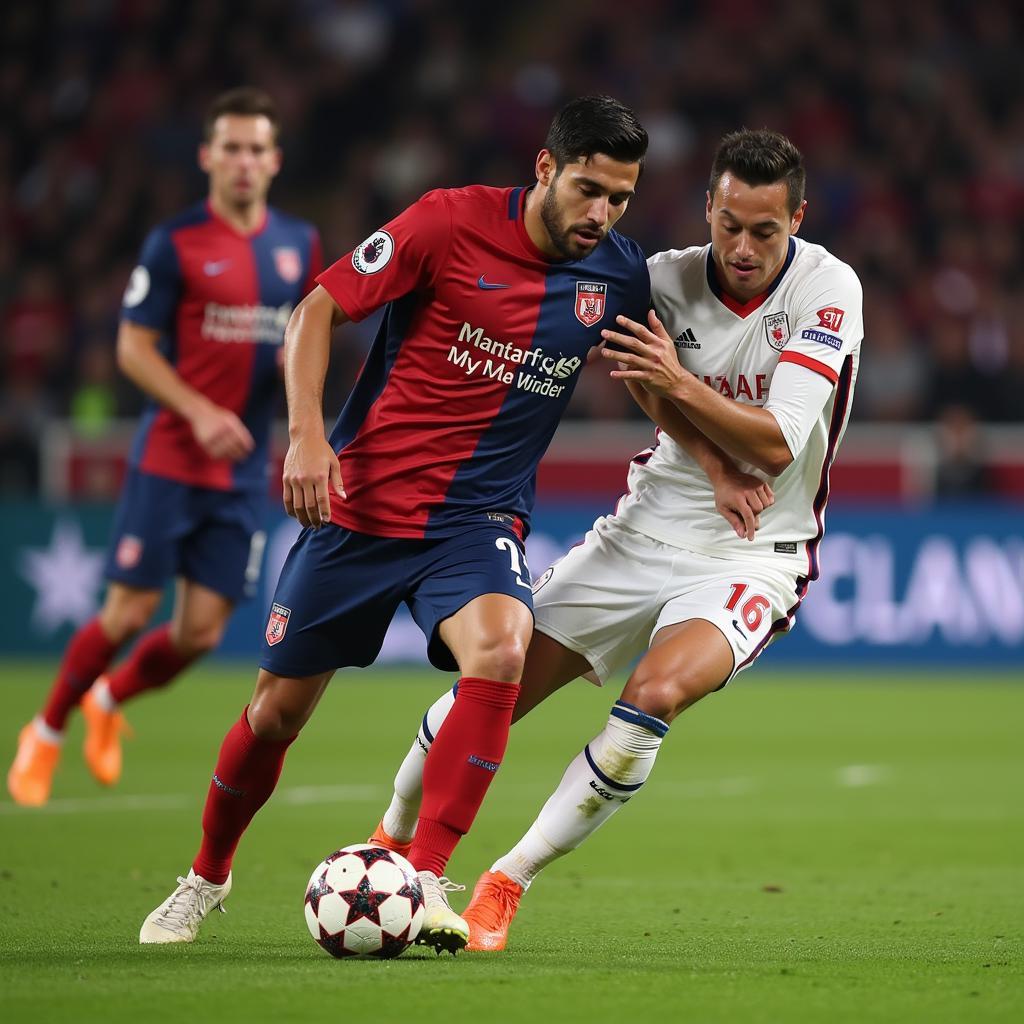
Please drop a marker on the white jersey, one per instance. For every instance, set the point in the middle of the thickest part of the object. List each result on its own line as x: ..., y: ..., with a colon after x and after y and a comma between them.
x: 811, y: 318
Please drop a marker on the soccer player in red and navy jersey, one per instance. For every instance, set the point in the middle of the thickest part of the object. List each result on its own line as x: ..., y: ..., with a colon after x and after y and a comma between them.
x: 202, y: 327
x: 424, y: 490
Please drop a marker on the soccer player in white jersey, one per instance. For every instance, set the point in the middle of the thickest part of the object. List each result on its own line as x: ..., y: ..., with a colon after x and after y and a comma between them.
x: 748, y: 367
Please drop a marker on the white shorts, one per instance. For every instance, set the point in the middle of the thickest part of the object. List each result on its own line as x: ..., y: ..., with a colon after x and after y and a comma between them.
x: 610, y: 594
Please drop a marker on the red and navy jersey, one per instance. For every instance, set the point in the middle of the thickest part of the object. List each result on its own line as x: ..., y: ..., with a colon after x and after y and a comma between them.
x: 222, y: 300
x: 474, y: 363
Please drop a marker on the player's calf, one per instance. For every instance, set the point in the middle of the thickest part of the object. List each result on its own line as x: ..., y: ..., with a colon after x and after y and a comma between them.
x: 398, y: 826
x: 603, y: 777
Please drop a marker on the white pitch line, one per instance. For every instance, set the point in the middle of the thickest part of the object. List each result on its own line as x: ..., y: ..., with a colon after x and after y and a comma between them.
x: 295, y: 796
x: 702, y: 789
x: 854, y: 776
x: 79, y: 805
x: 304, y: 796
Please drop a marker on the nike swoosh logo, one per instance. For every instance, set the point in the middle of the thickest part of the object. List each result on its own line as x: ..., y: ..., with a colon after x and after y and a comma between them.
x: 212, y: 268
x: 487, y: 287
x: 738, y: 630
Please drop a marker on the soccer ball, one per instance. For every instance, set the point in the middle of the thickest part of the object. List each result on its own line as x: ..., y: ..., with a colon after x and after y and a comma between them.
x: 364, y: 901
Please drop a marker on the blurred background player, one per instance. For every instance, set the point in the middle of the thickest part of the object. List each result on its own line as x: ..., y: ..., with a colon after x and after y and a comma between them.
x: 757, y: 386
x: 423, y: 495
x: 202, y: 326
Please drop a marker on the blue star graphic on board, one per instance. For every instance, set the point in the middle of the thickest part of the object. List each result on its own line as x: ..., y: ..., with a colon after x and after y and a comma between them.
x: 66, y: 576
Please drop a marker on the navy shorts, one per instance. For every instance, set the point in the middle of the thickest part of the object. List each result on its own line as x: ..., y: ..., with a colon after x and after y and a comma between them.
x: 339, y: 591
x: 164, y: 529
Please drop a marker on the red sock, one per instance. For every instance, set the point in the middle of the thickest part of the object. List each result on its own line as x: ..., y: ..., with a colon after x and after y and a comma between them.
x: 154, y: 662
x: 247, y: 772
x: 462, y: 762
x: 87, y: 654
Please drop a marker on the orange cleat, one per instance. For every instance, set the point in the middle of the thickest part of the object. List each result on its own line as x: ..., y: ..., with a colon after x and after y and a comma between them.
x: 490, y: 911
x: 31, y: 774
x: 381, y: 838
x: 102, y: 748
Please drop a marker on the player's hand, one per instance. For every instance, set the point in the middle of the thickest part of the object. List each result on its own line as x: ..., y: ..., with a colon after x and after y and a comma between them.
x: 220, y: 433
x: 311, y: 472
x: 741, y: 498
x: 647, y: 354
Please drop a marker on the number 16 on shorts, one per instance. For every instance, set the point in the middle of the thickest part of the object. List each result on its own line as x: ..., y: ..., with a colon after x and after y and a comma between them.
x: 753, y: 608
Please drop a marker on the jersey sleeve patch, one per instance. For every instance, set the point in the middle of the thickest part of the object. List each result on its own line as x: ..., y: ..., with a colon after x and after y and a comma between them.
x: 822, y: 337
x: 152, y: 292
x: 405, y: 255
x: 138, y: 287
x: 374, y: 254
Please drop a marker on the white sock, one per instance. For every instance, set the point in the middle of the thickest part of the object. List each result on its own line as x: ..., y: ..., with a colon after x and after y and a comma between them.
x: 101, y: 690
x: 47, y: 732
x: 609, y: 770
x: 401, y: 816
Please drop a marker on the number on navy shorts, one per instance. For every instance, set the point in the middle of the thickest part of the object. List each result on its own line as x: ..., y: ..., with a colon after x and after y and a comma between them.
x: 517, y: 561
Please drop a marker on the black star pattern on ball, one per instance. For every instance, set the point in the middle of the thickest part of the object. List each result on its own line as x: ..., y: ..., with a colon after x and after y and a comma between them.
x: 373, y: 854
x: 414, y: 893
x: 317, y: 891
x: 334, y: 944
x: 363, y: 901
x: 393, y: 945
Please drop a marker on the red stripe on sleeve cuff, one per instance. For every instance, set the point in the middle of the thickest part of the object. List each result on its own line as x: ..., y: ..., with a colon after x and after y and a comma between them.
x: 812, y: 364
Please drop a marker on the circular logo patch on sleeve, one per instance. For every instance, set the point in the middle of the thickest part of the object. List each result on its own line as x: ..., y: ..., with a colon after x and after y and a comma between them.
x: 138, y: 287
x: 374, y: 254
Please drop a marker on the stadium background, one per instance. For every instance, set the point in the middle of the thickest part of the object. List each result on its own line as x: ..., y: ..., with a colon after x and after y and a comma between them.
x: 837, y: 836
x: 912, y: 120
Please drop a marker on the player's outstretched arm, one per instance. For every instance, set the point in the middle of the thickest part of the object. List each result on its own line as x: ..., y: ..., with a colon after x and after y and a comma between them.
x: 311, y: 466
x: 745, y: 432
x: 740, y: 498
x: 219, y: 431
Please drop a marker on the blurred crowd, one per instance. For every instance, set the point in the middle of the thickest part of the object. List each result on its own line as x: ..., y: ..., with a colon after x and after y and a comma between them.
x: 911, y: 117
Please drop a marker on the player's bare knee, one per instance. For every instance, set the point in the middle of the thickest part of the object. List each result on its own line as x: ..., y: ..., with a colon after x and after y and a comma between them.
x: 665, y: 695
x: 280, y: 707
x: 196, y: 640
x: 269, y: 719
x: 501, y: 660
x: 126, y: 616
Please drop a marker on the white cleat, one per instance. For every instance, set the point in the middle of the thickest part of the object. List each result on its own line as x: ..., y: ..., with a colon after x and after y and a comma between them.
x: 442, y: 928
x: 178, y: 918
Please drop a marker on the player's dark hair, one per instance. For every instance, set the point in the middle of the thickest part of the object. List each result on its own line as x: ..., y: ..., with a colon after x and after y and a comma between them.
x: 244, y: 101
x: 596, y: 124
x: 760, y: 157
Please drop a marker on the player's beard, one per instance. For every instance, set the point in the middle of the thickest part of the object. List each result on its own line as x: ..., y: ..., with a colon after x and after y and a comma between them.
x: 561, y: 237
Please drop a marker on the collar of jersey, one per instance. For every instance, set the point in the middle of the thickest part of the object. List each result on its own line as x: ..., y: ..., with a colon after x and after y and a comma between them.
x: 258, y: 230
x: 744, y: 309
x: 517, y: 214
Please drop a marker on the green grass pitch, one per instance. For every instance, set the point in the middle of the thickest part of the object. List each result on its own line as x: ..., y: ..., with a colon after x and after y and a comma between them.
x: 832, y: 847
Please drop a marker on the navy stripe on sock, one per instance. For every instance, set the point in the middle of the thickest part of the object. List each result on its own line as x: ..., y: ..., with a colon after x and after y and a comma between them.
x: 604, y: 778
x: 429, y: 736
x: 631, y: 713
